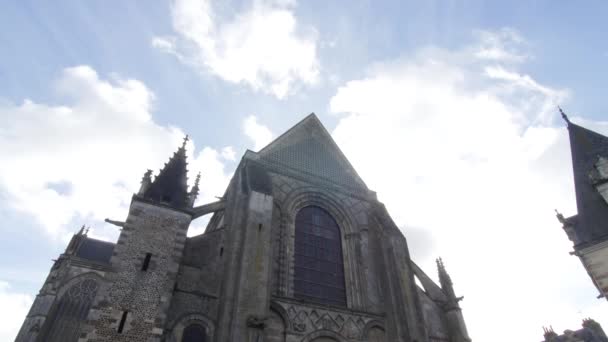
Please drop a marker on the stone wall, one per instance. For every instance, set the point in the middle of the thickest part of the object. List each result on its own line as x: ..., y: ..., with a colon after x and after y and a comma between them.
x: 66, y: 271
x: 141, y: 298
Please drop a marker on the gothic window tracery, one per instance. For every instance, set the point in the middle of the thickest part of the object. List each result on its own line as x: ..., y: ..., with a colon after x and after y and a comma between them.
x: 70, y: 312
x: 319, y: 266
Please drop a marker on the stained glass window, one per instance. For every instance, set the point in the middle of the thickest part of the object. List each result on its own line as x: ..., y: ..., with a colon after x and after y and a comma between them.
x: 319, y: 268
x: 194, y: 333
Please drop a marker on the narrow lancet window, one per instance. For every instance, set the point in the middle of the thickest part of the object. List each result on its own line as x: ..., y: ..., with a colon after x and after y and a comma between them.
x: 123, y: 320
x: 319, y: 267
x: 146, y: 264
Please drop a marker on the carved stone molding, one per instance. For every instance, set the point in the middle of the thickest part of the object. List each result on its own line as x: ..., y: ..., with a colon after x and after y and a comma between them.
x: 306, y: 319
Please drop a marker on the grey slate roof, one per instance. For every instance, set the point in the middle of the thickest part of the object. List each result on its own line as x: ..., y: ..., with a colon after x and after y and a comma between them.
x: 309, y: 148
x: 95, y: 250
x: 592, y: 220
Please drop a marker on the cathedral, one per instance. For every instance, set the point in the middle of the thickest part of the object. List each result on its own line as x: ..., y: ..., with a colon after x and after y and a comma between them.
x: 297, y: 249
x: 588, y: 230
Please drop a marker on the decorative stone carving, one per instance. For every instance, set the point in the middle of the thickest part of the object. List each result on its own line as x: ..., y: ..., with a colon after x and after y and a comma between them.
x: 255, y: 326
x: 306, y: 319
x: 256, y: 322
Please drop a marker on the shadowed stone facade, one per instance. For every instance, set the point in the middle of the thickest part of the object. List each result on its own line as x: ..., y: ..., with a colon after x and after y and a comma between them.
x: 588, y: 229
x: 261, y: 271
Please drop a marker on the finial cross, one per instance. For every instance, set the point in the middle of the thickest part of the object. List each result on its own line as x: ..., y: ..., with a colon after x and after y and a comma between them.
x: 186, y: 138
x: 564, y: 116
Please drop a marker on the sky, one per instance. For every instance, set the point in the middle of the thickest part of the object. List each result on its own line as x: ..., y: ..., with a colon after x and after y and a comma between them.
x: 446, y: 108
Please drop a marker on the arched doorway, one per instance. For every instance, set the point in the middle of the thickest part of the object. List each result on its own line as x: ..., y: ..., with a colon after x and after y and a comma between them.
x: 324, y: 339
x: 194, y: 333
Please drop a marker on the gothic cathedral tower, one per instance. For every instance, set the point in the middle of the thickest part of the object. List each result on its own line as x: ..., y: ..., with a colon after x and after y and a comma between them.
x: 588, y: 229
x: 298, y: 249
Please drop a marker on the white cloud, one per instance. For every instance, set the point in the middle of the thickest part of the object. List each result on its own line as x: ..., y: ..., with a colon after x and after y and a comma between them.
x: 468, y: 149
x: 13, y: 308
x: 84, y: 159
x: 503, y: 45
x: 258, y: 133
x: 228, y: 153
x: 262, y: 46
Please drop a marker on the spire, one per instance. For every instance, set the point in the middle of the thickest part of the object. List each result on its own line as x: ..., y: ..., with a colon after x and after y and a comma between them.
x: 171, y: 185
x: 549, y: 334
x: 444, y: 277
x: 194, y: 191
x: 186, y: 139
x: 146, y: 180
x: 587, y: 147
x: 560, y: 217
x: 446, y: 284
x: 564, y: 116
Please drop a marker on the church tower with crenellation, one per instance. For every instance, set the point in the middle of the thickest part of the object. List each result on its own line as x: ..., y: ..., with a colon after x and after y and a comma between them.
x: 297, y: 249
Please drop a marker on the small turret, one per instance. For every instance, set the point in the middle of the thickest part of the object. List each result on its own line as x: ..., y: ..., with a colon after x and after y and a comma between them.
x: 596, y: 328
x: 146, y: 180
x: 170, y: 187
x: 455, y: 319
x: 446, y: 283
x: 194, y: 191
x: 76, y: 240
x: 549, y: 334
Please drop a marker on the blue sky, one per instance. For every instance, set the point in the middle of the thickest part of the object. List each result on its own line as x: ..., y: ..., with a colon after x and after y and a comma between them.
x: 441, y: 107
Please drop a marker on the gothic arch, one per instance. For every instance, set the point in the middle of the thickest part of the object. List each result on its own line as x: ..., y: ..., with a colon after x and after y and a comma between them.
x: 282, y: 313
x: 89, y: 275
x: 313, y: 196
x: 192, y: 318
x: 323, y: 335
x: 370, y: 328
x: 71, y: 308
x: 276, y: 326
x: 307, y: 196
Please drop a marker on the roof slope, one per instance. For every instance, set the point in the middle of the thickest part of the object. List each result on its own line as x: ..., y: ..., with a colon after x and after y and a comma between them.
x: 309, y: 148
x: 95, y: 250
x: 586, y: 147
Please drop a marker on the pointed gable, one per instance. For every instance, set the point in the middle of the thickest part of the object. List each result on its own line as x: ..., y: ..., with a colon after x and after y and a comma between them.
x: 309, y: 148
x: 587, y: 146
x: 171, y: 184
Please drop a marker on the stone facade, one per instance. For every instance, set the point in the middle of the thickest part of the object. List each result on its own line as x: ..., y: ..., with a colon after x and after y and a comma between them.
x: 588, y: 229
x: 237, y: 281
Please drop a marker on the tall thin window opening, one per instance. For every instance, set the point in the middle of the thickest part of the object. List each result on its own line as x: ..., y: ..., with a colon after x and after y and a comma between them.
x: 123, y: 320
x: 146, y: 264
x: 319, y: 267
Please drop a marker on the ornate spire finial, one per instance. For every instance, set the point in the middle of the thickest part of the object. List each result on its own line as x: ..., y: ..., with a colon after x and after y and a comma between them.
x: 564, y: 116
x: 549, y: 333
x: 81, y: 230
x: 560, y: 217
x: 186, y: 139
x: 194, y: 191
x: 198, y: 179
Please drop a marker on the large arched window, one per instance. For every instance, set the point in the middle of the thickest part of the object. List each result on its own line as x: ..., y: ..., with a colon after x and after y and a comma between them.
x: 319, y: 268
x: 194, y: 333
x: 70, y: 312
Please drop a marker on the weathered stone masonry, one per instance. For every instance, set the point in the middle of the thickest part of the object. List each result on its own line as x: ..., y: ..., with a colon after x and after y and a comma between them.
x: 236, y: 281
